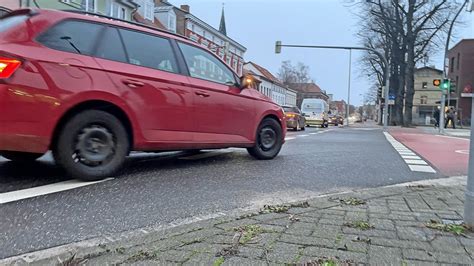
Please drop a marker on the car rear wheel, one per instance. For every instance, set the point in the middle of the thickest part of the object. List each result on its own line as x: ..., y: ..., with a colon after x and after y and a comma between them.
x: 92, y: 145
x: 18, y: 156
x: 269, y: 140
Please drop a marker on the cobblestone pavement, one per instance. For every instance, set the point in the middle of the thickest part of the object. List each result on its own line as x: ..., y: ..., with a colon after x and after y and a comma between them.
x: 413, y: 225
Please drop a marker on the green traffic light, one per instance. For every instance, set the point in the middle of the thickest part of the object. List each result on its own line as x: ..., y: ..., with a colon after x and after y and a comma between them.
x: 446, y: 84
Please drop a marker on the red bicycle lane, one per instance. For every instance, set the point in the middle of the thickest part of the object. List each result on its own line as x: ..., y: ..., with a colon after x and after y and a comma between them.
x: 449, y: 155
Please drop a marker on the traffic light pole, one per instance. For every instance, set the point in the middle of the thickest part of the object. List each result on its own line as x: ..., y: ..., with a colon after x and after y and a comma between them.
x: 278, y: 47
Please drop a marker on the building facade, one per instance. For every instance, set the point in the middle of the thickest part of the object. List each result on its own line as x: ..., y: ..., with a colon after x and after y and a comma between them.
x: 122, y: 9
x: 461, y: 71
x: 270, y: 85
x: 308, y: 90
x: 427, y: 96
x: 290, y: 97
x: 181, y: 21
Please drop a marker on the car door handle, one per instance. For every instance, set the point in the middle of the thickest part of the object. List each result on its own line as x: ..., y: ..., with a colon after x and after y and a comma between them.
x: 202, y: 94
x: 133, y: 83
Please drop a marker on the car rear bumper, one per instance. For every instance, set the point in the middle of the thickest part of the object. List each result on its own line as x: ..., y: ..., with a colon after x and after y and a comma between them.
x: 314, y: 122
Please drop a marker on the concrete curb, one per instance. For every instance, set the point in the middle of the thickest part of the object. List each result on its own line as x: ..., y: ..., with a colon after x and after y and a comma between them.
x: 95, y: 247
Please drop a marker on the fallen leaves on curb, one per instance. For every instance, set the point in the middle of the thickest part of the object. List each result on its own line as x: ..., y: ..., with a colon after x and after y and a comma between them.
x: 72, y: 261
x: 324, y: 261
x: 275, y: 208
x: 457, y: 229
x: 283, y: 208
x: 362, y: 225
x: 352, y: 201
x: 248, y: 232
x: 293, y: 218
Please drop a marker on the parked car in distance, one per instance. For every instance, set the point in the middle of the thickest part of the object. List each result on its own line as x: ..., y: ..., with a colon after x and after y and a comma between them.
x: 92, y: 88
x: 315, y: 112
x: 336, y: 120
x: 294, y: 118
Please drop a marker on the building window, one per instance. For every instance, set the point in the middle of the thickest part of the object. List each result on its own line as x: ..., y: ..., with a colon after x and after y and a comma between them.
x: 88, y: 5
x: 118, y: 11
x: 457, y: 63
x: 451, y: 67
x: 149, y: 10
x: 424, y: 100
x: 424, y: 85
x: 172, y: 22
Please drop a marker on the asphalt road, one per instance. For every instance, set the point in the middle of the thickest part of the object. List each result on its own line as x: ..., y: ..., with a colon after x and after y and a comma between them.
x: 157, y: 189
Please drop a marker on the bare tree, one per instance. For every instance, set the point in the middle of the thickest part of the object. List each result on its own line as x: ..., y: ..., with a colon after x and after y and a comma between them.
x: 407, y: 31
x: 288, y: 73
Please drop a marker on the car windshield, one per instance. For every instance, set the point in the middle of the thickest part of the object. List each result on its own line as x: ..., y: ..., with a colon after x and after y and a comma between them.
x: 237, y: 132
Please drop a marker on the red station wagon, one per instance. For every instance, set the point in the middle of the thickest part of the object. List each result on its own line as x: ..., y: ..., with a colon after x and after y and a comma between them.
x: 92, y: 89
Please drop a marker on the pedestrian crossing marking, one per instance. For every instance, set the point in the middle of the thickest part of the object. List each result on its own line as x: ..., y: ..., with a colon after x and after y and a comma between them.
x: 414, y: 162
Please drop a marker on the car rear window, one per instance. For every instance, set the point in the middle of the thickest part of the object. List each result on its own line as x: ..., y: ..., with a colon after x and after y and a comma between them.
x: 11, y: 21
x: 290, y: 109
x: 72, y: 36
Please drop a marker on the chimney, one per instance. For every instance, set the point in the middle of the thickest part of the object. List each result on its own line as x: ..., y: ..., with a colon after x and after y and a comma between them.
x: 185, y: 8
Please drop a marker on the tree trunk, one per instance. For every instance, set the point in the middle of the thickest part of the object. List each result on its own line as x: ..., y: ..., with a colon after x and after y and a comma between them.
x: 410, y: 67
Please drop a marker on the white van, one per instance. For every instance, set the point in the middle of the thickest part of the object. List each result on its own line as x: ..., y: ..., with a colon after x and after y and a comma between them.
x: 315, y: 111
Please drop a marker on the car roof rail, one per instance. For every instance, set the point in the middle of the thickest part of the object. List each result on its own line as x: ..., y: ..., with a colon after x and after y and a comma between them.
x: 121, y: 20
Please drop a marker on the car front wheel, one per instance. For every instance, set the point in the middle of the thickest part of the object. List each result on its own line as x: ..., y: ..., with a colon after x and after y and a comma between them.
x: 18, y: 156
x: 269, y: 140
x: 92, y: 145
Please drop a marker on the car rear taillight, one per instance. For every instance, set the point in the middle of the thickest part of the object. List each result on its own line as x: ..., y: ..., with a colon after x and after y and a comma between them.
x: 8, y: 66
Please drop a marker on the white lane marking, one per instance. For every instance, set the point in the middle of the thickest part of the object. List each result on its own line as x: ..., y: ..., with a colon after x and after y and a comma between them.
x: 462, y: 151
x: 205, y: 155
x: 411, y: 157
x: 422, y: 168
x: 305, y: 135
x: 314, y: 133
x: 289, y: 138
x: 418, y: 162
x: 414, y: 162
x: 407, y: 153
x: 44, y: 190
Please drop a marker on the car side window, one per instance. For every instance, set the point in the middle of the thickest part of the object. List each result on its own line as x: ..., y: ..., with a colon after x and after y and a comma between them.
x: 111, y: 46
x: 72, y: 36
x: 203, y: 65
x: 149, y: 51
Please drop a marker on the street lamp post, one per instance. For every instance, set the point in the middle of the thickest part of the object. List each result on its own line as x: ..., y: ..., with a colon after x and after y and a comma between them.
x: 279, y: 45
x: 348, y: 109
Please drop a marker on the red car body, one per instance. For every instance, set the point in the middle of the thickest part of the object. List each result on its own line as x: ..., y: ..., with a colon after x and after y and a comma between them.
x: 161, y: 110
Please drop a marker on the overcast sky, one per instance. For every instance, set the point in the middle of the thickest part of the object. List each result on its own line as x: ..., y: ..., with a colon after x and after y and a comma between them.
x: 257, y: 24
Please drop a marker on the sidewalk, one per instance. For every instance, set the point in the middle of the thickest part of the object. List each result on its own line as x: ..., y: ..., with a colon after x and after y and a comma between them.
x: 397, y: 225
x: 458, y: 132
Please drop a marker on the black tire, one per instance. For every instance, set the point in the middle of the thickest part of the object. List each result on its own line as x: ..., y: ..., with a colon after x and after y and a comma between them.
x: 92, y: 145
x: 18, y: 156
x: 269, y: 140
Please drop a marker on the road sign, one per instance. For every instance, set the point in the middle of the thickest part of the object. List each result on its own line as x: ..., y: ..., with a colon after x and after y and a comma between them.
x: 391, y: 102
x: 391, y: 97
x: 467, y: 95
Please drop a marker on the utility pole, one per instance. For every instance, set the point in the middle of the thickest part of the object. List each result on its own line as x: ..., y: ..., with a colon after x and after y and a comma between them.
x: 279, y: 45
x: 469, y: 200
